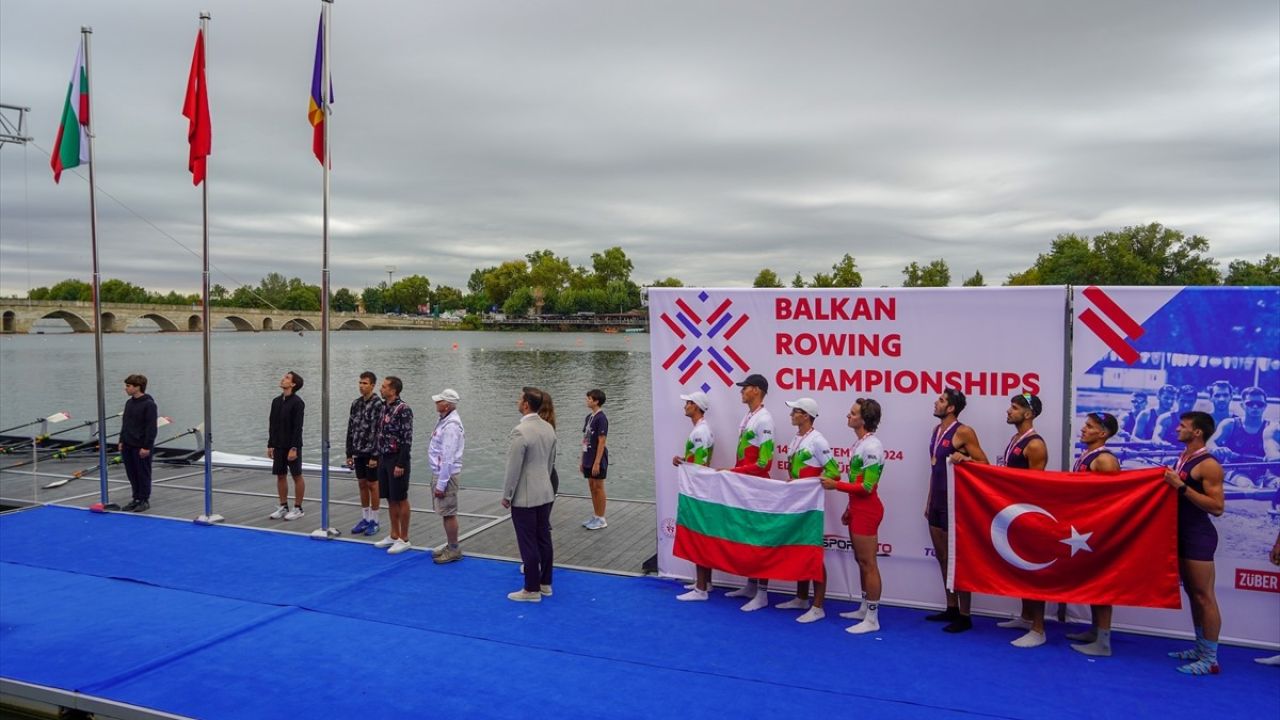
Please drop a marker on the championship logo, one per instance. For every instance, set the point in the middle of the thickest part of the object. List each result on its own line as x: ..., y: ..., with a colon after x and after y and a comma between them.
x: 704, y: 329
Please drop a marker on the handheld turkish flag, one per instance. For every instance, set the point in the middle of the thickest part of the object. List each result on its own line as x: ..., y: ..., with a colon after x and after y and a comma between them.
x: 1097, y: 539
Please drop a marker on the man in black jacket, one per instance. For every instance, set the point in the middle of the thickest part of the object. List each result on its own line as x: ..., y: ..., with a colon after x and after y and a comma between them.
x: 137, y: 436
x: 284, y: 445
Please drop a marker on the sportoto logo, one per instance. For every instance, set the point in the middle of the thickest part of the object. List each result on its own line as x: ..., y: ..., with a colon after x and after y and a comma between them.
x: 704, y: 330
x: 1120, y: 345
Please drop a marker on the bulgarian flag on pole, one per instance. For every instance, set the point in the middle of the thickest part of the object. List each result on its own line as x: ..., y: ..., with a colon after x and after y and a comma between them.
x: 749, y: 526
x: 71, y: 148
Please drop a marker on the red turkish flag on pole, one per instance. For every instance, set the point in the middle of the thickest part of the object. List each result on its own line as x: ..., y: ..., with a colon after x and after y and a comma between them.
x: 196, y: 109
x: 1096, y: 539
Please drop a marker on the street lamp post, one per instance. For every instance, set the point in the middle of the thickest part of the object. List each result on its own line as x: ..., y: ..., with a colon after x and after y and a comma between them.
x: 390, y: 271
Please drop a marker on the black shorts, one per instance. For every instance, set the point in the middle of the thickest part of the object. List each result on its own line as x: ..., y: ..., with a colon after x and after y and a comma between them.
x: 391, y: 487
x: 604, y: 471
x: 360, y: 466
x: 280, y: 464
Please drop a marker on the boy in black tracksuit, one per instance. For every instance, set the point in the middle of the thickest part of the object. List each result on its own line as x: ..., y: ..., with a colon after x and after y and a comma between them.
x: 284, y: 445
x: 137, y: 437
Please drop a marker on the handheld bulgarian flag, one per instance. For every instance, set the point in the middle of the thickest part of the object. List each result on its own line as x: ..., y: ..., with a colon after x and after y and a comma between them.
x: 316, y: 111
x: 71, y: 148
x: 749, y: 526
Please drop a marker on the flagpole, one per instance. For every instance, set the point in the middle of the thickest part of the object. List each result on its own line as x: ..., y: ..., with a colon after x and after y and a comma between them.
x: 208, y: 517
x: 85, y: 32
x: 325, y: 530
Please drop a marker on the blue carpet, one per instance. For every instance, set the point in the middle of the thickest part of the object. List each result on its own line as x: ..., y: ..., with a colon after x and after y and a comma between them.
x: 232, y: 623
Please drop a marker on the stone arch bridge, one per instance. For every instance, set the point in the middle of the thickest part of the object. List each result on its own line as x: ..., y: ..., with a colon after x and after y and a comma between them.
x: 19, y: 316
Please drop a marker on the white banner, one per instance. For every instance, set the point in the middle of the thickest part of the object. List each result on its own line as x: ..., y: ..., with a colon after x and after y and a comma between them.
x: 898, y: 346
x: 1148, y: 354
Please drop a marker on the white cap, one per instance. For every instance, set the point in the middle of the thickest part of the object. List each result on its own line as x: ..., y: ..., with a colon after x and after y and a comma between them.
x: 698, y: 398
x: 808, y: 405
x: 448, y: 395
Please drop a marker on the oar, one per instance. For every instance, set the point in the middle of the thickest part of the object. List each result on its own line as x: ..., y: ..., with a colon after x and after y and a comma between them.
x: 62, y: 453
x: 116, y: 459
x: 39, y: 439
x: 54, y: 418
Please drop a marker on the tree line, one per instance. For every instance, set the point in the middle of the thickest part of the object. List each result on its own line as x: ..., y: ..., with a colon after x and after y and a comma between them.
x: 547, y: 283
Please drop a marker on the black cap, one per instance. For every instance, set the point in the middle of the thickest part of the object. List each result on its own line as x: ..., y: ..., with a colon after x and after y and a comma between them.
x: 1027, y: 400
x: 1107, y: 421
x: 756, y: 380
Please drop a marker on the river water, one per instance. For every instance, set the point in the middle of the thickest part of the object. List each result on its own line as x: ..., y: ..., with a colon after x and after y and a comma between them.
x: 44, y: 373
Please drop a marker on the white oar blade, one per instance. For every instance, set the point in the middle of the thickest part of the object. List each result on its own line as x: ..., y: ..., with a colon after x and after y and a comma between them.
x: 162, y: 421
x: 58, y: 417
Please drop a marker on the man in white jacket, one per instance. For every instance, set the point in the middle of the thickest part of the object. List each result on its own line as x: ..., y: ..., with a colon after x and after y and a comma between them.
x: 445, y: 456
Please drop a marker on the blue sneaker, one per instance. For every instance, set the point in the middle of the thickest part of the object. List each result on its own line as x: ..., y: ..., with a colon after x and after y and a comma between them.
x: 360, y: 527
x: 372, y: 529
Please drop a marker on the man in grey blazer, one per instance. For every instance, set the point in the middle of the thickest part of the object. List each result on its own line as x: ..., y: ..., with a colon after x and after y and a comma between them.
x: 527, y: 492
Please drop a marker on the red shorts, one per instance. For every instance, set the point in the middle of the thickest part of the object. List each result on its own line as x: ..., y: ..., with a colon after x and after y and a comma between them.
x: 865, y: 514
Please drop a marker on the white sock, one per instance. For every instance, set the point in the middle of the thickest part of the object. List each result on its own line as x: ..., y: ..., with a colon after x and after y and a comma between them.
x: 794, y: 603
x: 761, y: 600
x: 813, y: 614
x: 693, y: 595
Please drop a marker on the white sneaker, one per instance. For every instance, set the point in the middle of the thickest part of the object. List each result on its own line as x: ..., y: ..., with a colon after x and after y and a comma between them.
x: 866, y: 626
x: 694, y: 595
x: 859, y: 614
x: 1030, y: 640
x: 588, y: 521
x: 814, y: 614
x: 545, y: 590
x: 294, y: 514
x: 761, y: 600
x: 597, y: 523
x: 386, y: 542
x: 691, y: 586
x: 1015, y: 623
x: 793, y: 604
x: 398, y: 547
x: 279, y: 513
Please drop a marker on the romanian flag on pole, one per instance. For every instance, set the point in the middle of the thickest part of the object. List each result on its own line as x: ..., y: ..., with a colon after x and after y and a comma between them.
x: 750, y: 526
x: 71, y: 148
x: 316, y: 112
x: 196, y: 110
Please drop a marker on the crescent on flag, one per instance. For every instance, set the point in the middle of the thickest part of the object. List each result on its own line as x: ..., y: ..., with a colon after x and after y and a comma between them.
x: 1000, y: 534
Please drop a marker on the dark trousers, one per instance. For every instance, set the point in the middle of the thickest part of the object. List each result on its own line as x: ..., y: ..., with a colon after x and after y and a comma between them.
x: 139, y: 471
x: 533, y: 535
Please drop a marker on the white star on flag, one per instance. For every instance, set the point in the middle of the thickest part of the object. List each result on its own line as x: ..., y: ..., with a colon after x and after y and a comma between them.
x: 1077, y: 541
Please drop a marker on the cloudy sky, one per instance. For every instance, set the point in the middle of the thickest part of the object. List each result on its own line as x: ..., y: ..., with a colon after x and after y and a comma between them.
x: 708, y: 138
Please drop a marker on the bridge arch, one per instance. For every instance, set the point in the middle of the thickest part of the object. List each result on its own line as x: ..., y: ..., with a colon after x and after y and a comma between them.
x: 267, y: 324
x: 240, y: 323
x: 77, y: 323
x: 164, y: 323
x: 10, y: 321
x: 353, y: 324
x: 297, y: 324
x: 193, y: 323
x: 112, y: 323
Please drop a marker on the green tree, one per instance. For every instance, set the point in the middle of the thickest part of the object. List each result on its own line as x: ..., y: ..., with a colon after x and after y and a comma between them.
x: 217, y: 294
x: 475, y: 283
x: 797, y: 281
x: 667, y: 282
x: 1263, y: 272
x: 244, y: 297
x: 503, y: 280
x: 1139, y: 255
x: 975, y: 280
x: 409, y: 293
x: 302, y: 297
x: 119, y: 291
x: 343, y: 301
x: 935, y: 274
x: 519, y: 302
x: 374, y: 298
x: 40, y: 293
x: 845, y: 273
x: 612, y: 264
x: 71, y: 289
x: 274, y: 288
x: 823, y: 280
x: 767, y: 278
x: 448, y: 298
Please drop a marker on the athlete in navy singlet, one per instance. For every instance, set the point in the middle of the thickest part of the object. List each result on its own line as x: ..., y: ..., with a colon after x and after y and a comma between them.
x: 1249, y: 439
x: 1026, y: 451
x: 1197, y: 478
x: 950, y: 441
x: 1096, y: 458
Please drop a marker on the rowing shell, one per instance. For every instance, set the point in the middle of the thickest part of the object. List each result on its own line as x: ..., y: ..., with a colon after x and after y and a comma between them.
x: 255, y: 462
